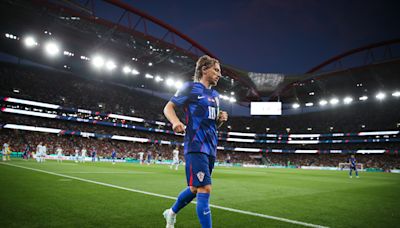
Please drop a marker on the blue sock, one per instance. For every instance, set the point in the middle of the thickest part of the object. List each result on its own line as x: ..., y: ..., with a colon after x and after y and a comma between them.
x: 203, y: 210
x: 185, y: 197
x: 350, y: 172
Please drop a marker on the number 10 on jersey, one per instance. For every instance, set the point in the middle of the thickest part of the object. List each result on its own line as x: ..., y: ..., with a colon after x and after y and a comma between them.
x: 212, y: 114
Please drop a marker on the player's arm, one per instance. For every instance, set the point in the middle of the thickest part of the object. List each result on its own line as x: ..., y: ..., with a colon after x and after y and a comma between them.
x: 169, y: 112
x: 222, y: 118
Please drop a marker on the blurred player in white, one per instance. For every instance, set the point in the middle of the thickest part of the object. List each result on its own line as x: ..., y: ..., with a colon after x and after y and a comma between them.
x: 6, y: 151
x: 59, y: 151
x: 175, y: 158
x: 141, y: 154
x: 83, y: 154
x: 44, y: 152
x: 77, y: 154
x: 41, y: 152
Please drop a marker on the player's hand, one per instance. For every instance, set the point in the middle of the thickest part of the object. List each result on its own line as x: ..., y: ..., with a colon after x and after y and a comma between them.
x: 178, y: 127
x: 222, y: 116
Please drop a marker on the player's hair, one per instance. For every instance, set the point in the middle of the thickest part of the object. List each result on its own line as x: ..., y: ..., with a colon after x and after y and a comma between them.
x: 205, y: 62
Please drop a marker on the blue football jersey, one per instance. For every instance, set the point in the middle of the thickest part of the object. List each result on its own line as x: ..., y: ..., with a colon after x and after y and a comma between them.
x: 353, y: 161
x: 201, y: 107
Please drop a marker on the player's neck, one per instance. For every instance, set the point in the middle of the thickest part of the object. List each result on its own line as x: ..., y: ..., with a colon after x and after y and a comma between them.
x: 205, y: 83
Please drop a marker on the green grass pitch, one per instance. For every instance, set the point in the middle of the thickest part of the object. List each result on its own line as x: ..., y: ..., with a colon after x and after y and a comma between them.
x: 29, y: 198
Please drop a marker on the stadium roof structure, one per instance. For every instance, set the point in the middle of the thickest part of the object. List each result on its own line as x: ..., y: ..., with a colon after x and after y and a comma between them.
x: 132, y: 38
x: 367, y: 69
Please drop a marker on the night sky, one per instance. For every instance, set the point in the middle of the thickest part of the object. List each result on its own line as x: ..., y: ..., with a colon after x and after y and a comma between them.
x: 276, y: 35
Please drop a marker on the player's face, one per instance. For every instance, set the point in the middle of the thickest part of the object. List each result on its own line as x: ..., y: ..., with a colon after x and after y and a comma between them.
x: 212, y: 74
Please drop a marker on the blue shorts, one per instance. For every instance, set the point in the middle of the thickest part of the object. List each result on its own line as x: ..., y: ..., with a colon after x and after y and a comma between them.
x: 199, y: 167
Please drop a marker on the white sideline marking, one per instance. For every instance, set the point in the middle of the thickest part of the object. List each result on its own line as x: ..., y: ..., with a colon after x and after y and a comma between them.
x: 109, y: 172
x: 173, y: 198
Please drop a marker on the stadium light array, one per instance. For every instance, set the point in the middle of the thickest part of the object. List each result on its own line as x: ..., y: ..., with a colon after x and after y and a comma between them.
x: 334, y: 101
x: 348, y: 100
x: 150, y: 64
x: 232, y: 100
x: 396, y: 94
x: 30, y: 42
x: 51, y: 48
x: 380, y: 96
x: 67, y: 53
x: 309, y: 104
x: 11, y: 36
x: 296, y: 106
x: 323, y: 102
x: 363, y: 98
x: 84, y: 58
x: 148, y: 76
x: 232, y: 93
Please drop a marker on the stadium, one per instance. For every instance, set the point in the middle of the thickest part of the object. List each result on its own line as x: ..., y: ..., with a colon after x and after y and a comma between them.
x: 85, y: 141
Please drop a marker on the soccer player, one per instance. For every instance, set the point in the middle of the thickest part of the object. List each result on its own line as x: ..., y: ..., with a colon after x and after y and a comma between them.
x: 39, y: 152
x: 149, y: 157
x: 113, y: 156
x: 175, y: 158
x: 201, y: 106
x: 6, y: 151
x: 353, y: 165
x: 228, y: 159
x: 94, y: 154
x: 59, y: 151
x: 141, y: 154
x: 26, y: 152
x: 83, y: 154
x: 44, y: 152
x: 77, y: 154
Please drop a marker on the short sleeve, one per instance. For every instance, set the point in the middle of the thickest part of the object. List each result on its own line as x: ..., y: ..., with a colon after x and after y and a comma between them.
x: 183, y: 94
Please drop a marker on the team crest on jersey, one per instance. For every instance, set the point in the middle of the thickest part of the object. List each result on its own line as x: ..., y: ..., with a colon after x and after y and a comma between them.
x: 200, y: 176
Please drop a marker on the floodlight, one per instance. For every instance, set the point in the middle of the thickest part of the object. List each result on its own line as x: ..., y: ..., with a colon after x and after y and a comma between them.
x: 348, y: 100
x: 126, y: 69
x: 380, y: 96
x: 30, y: 42
x: 98, y: 61
x: 295, y: 105
x: 135, y: 72
x: 169, y: 82
x: 159, y: 79
x: 51, y: 48
x: 396, y: 94
x: 334, y: 101
x: 323, y: 102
